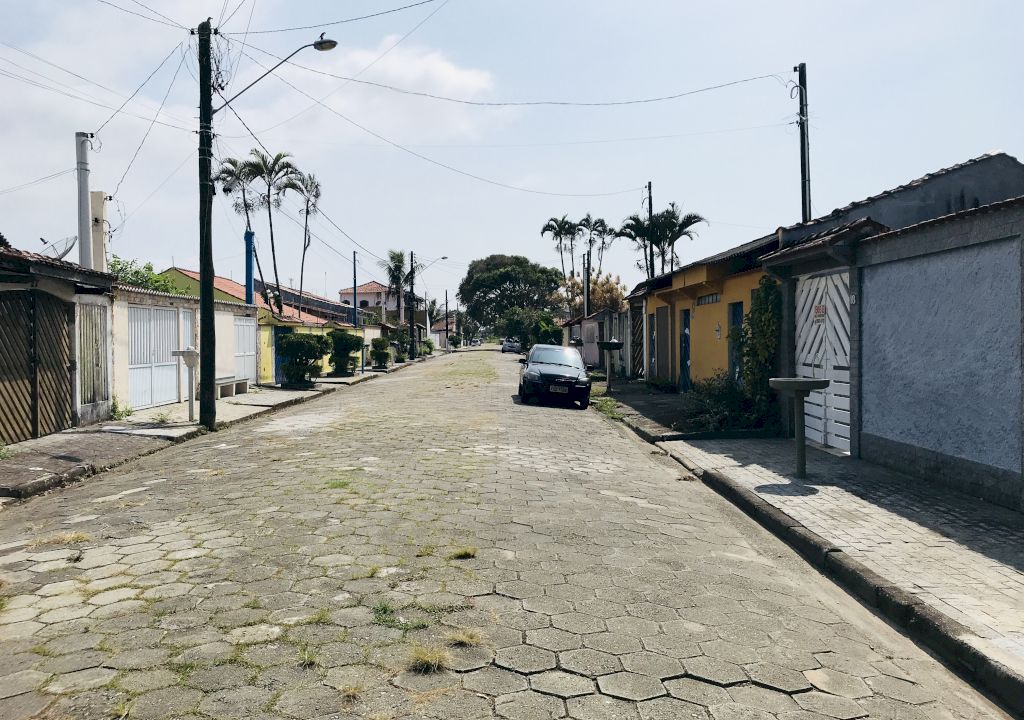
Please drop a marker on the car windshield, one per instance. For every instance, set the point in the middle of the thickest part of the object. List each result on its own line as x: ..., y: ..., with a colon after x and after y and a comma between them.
x: 557, y: 356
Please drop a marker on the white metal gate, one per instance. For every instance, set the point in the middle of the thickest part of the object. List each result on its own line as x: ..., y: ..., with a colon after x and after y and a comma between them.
x: 245, y: 348
x: 152, y: 370
x: 823, y: 351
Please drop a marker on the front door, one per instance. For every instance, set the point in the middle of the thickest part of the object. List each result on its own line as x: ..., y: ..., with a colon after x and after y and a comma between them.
x: 823, y: 351
x: 684, y: 350
x: 663, y: 370
x: 735, y: 324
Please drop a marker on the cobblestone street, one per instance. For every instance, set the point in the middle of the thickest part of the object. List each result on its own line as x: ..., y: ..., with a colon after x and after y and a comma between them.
x: 422, y: 546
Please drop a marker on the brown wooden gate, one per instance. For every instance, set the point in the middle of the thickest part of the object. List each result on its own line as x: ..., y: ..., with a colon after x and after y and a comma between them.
x: 35, y: 365
x: 636, y: 338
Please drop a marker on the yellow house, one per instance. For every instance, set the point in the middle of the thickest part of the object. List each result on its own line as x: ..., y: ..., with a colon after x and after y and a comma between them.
x: 688, y: 314
x: 271, y: 324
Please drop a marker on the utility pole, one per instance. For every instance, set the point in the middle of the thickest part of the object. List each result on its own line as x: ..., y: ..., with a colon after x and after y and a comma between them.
x: 250, y: 251
x: 355, y: 312
x: 447, y: 322
x: 650, y: 225
x: 586, y: 286
x: 84, y: 201
x: 207, y: 330
x: 412, y: 304
x: 805, y: 149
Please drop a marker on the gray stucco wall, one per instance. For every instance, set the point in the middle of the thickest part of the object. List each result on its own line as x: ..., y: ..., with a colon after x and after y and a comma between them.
x: 941, y: 362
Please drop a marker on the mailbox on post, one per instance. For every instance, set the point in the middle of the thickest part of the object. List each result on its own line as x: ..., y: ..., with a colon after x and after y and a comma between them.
x: 191, y: 357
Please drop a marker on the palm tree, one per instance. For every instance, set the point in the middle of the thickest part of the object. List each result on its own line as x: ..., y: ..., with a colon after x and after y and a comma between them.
x: 278, y: 174
x: 605, y: 237
x: 396, y: 272
x: 634, y: 228
x: 560, y: 229
x: 234, y: 182
x: 309, y: 186
x: 673, y: 226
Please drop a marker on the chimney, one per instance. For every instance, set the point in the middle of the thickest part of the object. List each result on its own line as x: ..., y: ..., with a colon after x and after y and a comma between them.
x: 98, y: 208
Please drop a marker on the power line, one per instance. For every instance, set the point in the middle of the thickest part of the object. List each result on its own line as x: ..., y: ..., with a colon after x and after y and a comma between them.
x: 144, y: 17
x: 373, y: 62
x: 37, y: 181
x: 237, y: 8
x: 145, y: 136
x: 159, y: 14
x: 148, y: 78
x: 526, y: 103
x: 157, y: 189
x: 440, y: 164
x: 339, y: 22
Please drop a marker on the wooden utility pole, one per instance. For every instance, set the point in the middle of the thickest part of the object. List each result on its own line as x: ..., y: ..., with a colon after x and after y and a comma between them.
x: 412, y: 304
x: 650, y: 225
x: 805, y: 149
x: 207, y: 328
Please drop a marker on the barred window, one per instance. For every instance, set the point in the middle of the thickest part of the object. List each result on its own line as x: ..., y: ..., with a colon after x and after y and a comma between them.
x: 708, y: 299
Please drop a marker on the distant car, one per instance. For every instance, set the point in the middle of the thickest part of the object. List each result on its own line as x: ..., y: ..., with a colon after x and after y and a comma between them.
x: 553, y: 371
x: 511, y: 345
x: 475, y: 341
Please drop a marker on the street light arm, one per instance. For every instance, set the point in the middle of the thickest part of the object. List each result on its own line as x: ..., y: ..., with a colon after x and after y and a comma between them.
x: 235, y: 96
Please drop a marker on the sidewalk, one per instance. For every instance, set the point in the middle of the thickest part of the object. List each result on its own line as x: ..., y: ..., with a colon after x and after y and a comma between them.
x: 946, y: 566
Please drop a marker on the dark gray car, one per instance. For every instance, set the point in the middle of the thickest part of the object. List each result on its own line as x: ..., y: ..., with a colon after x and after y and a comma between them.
x: 553, y: 371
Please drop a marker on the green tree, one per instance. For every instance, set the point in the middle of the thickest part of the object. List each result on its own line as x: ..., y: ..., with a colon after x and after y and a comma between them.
x: 606, y: 293
x: 309, y: 187
x: 498, y: 283
x: 758, y: 341
x: 396, y: 272
x: 277, y: 175
x: 531, y: 326
x: 346, y: 344
x: 130, y: 272
x: 562, y: 230
x: 303, y: 353
x: 634, y: 228
x: 234, y: 182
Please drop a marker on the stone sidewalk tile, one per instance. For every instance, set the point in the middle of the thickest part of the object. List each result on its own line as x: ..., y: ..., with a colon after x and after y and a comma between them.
x: 424, y: 547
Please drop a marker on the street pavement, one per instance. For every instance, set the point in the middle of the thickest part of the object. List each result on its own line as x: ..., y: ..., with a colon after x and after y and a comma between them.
x: 423, y: 546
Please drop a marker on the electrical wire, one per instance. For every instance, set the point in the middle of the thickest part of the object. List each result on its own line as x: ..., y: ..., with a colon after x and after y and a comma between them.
x: 245, y: 37
x: 148, y: 78
x: 191, y: 154
x: 237, y: 8
x: 145, y: 136
x: 144, y: 17
x: 158, y: 14
x: 340, y: 22
x: 523, y: 103
x: 366, y: 67
x: 438, y: 163
x: 37, y: 181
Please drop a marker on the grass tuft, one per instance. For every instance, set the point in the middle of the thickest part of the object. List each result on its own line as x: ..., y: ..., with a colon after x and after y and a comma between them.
x: 606, y: 406
x: 463, y: 553
x: 338, y: 484
x: 426, y: 659
x: 466, y: 637
x: 307, y: 657
x: 351, y: 693
x: 426, y: 551
x: 43, y: 650
x: 66, y: 538
x: 386, y: 615
x: 320, y: 617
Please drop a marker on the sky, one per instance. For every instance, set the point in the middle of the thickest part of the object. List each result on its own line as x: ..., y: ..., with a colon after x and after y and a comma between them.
x: 896, y: 90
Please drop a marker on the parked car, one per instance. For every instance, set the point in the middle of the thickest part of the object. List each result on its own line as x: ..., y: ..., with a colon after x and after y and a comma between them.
x: 553, y: 371
x: 475, y: 342
x: 511, y: 345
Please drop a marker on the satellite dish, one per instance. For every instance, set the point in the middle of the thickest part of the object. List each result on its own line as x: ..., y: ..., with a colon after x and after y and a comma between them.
x: 58, y: 250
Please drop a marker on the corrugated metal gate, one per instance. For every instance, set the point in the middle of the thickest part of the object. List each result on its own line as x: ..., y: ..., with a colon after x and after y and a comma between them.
x: 152, y: 370
x: 92, y: 353
x: 35, y: 365
x: 636, y: 339
x: 823, y: 351
x: 245, y: 348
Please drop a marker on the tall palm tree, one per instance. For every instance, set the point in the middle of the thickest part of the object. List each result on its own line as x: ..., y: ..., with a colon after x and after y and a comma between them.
x: 605, y: 237
x: 309, y: 187
x: 560, y: 229
x: 674, y: 225
x: 634, y: 228
x: 277, y: 175
x: 234, y: 182
x: 396, y: 272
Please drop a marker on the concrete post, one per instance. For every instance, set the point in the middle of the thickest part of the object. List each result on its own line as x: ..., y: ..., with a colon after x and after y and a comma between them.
x: 85, y: 257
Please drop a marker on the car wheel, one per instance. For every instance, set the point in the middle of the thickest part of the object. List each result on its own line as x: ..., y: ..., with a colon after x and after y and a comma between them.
x: 522, y: 397
x: 585, y: 403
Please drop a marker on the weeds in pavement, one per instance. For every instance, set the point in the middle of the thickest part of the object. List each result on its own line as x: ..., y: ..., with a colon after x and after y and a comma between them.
x: 338, y: 484
x: 307, y: 657
x: 385, y: 614
x: 43, y: 651
x: 466, y: 637
x: 162, y: 418
x: 119, y: 411
x: 463, y: 553
x: 606, y: 406
x: 426, y: 551
x: 320, y: 617
x: 122, y: 709
x: 5, y: 452
x: 426, y: 659
x: 351, y: 693
x: 66, y: 538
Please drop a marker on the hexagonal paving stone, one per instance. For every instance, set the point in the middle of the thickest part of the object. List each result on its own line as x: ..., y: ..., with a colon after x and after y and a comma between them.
x: 652, y: 664
x: 777, y: 677
x: 165, y: 703
x: 697, y: 692
x: 494, y: 681
x: 553, y: 639
x: 310, y: 702
x: 254, y: 634
x: 736, y: 711
x: 834, y: 682
x: 80, y: 680
x: 632, y: 626
x: 601, y: 707
x: 470, y: 658
x: 562, y: 684
x: 671, y: 646
x: 763, y: 698
x: 21, y: 682
x: 667, y: 708
x: 529, y: 705
x: 829, y: 705
x: 630, y: 686
x: 714, y: 670
x: 579, y: 623
x: 525, y: 659
x: 235, y: 703
x: 901, y: 690
x: 730, y: 652
x: 589, y: 662
x: 614, y: 643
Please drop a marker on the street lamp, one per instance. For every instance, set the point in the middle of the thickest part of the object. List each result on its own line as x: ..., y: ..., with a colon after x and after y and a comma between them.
x: 426, y: 306
x: 207, y: 332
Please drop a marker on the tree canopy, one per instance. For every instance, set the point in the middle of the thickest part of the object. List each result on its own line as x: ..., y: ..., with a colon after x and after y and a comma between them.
x: 130, y: 272
x: 499, y: 283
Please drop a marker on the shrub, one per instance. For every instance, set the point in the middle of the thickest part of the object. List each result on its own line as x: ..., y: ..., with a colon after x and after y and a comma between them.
x: 344, y: 356
x: 400, y: 341
x: 379, y: 352
x: 454, y: 341
x: 757, y: 344
x: 303, y: 353
x: 428, y: 346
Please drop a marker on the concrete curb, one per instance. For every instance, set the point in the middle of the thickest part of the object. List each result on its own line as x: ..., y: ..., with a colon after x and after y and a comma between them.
x: 947, y: 638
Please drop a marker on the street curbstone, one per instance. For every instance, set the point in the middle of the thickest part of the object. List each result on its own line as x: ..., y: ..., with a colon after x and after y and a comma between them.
x: 855, y: 577
x: 811, y: 546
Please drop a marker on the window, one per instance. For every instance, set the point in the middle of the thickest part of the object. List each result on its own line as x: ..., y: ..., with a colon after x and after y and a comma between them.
x: 364, y: 303
x: 708, y: 299
x: 556, y: 356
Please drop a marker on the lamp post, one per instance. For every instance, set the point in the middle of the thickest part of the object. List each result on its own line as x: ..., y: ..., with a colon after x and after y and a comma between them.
x: 207, y: 332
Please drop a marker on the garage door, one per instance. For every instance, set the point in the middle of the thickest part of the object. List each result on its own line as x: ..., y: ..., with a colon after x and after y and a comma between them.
x: 823, y: 351
x: 245, y: 348
x: 152, y: 370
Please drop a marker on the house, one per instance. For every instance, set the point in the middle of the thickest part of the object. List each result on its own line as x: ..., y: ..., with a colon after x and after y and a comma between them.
x: 324, y: 308
x: 55, y: 347
x: 271, y: 323
x: 369, y: 295
x: 594, y: 328
x: 817, y: 267
x: 148, y: 326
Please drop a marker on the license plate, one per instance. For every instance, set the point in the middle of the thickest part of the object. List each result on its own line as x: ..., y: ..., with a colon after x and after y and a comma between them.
x: 559, y: 389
